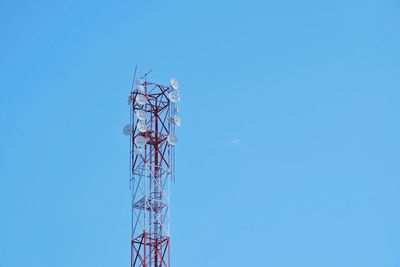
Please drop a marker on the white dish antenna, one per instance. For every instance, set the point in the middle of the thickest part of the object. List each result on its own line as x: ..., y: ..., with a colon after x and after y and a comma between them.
x: 139, y: 81
x: 174, y: 96
x: 141, y: 114
x: 177, y: 120
x: 141, y: 99
x: 142, y: 126
x: 140, y: 141
x: 141, y: 89
x: 127, y: 130
x: 174, y: 84
x: 172, y: 140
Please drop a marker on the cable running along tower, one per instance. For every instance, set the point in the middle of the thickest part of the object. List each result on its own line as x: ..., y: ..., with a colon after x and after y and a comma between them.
x: 153, y: 118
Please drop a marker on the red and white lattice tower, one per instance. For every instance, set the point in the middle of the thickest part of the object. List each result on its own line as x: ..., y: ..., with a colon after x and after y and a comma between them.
x: 154, y: 115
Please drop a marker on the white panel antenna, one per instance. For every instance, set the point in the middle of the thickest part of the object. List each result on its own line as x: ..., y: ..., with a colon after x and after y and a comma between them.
x: 177, y: 120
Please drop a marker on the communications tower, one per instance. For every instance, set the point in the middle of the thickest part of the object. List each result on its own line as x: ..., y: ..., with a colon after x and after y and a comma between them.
x: 153, y: 118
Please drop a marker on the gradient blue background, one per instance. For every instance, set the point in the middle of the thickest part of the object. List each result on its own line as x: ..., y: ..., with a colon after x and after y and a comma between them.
x: 289, y: 151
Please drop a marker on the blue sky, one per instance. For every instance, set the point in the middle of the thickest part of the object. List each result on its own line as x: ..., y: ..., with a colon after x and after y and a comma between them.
x: 289, y: 150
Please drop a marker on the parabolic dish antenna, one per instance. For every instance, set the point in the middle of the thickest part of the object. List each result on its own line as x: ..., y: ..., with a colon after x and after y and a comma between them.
x: 174, y: 84
x: 177, y: 120
x: 139, y: 82
x: 174, y: 96
x: 172, y: 140
x: 140, y: 141
x: 127, y: 130
x: 141, y: 89
x: 141, y: 114
x: 142, y: 127
x: 141, y: 99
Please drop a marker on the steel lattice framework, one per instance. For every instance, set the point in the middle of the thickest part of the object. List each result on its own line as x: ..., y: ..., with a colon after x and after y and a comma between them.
x: 151, y: 172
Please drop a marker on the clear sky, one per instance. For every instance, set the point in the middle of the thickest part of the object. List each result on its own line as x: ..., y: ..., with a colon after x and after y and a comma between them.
x: 288, y: 154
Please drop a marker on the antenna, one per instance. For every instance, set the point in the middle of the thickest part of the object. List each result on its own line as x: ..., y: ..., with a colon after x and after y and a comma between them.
x: 140, y: 141
x: 174, y: 83
x: 141, y: 114
x: 127, y: 130
x: 141, y: 99
x: 141, y: 88
x: 174, y: 96
x: 142, y: 126
x: 172, y: 139
x: 145, y: 75
x: 177, y: 120
x: 134, y: 77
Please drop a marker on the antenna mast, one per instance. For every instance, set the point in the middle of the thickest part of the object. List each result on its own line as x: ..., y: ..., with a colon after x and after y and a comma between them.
x: 154, y: 115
